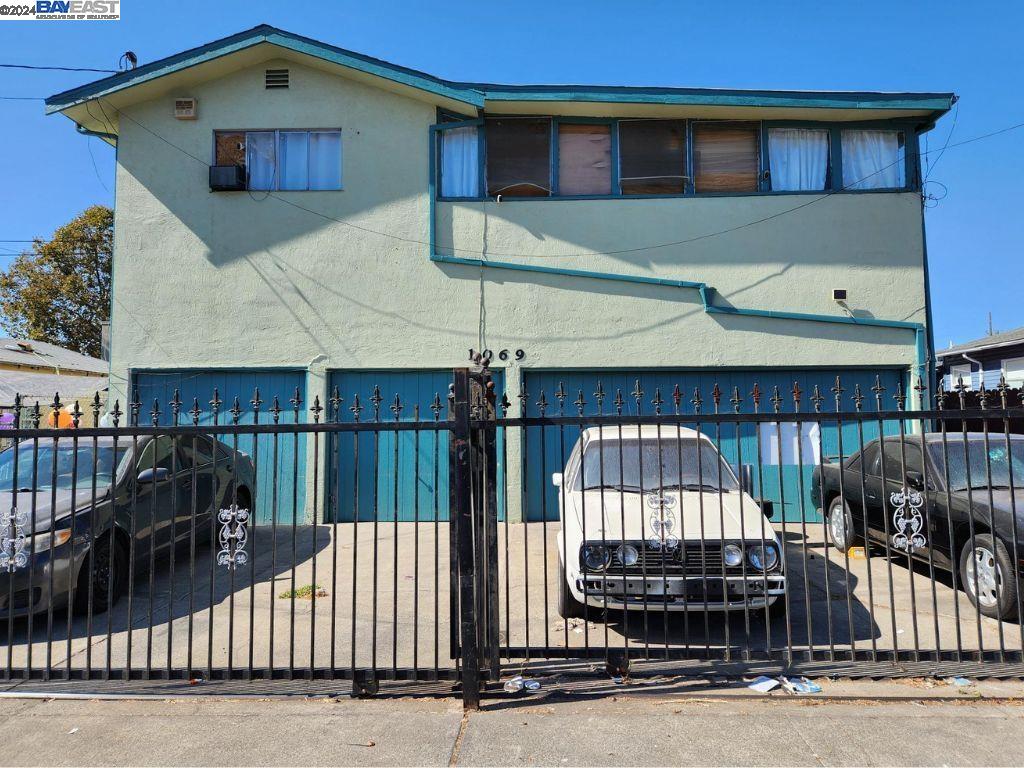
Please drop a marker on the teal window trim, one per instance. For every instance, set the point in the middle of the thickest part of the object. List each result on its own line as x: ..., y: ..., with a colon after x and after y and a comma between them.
x: 833, y: 185
x: 436, y: 149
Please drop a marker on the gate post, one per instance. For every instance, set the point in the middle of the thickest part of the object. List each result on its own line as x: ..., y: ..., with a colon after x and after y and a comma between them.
x: 462, y: 519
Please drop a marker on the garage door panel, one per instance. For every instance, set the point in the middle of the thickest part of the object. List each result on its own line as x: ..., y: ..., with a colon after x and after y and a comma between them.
x: 286, y: 475
x: 786, y: 479
x: 396, y: 475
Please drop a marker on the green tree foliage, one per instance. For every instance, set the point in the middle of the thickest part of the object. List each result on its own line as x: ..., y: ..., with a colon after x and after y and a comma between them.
x: 59, y: 291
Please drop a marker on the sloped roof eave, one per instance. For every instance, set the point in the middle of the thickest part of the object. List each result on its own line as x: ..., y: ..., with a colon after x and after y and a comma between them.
x: 248, y: 39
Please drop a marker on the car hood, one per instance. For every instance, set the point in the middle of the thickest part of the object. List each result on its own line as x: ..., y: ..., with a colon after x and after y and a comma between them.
x: 62, y: 503
x: 696, y: 514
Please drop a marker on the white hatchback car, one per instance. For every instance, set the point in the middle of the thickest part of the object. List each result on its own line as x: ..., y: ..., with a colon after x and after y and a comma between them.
x: 654, y: 518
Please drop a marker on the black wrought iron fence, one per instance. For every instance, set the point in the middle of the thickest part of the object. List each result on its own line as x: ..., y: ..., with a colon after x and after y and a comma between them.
x: 368, y: 539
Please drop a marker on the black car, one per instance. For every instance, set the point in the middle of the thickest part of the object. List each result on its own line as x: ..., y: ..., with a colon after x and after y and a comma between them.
x: 58, y: 505
x: 959, y: 503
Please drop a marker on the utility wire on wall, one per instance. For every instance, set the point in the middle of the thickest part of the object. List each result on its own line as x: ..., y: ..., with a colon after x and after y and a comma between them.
x: 618, y: 252
x: 415, y: 241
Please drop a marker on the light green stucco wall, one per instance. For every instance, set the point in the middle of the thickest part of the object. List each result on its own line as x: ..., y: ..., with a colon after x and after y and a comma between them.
x: 207, y: 279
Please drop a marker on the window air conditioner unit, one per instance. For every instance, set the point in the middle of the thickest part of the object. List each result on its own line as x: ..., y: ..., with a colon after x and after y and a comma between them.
x: 185, y: 109
x: 227, y: 178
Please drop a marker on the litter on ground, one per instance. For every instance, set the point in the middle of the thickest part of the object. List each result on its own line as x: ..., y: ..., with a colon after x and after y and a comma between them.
x: 763, y: 684
x: 799, y: 685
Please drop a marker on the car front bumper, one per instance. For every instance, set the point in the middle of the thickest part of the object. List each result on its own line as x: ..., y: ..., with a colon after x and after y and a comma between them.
x: 681, y: 593
x: 30, y: 589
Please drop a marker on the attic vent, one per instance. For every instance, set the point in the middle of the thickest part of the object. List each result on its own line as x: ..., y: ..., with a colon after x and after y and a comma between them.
x: 185, y: 109
x: 277, y: 78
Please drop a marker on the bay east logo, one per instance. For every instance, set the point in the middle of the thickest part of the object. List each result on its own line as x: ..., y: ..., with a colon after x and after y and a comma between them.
x: 64, y: 10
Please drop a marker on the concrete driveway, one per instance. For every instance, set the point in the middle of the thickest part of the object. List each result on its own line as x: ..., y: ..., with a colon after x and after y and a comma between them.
x: 383, y: 600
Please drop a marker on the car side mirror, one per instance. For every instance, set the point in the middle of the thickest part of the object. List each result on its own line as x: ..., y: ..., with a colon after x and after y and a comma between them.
x: 915, y: 480
x: 767, y: 508
x: 153, y: 475
x: 556, y: 479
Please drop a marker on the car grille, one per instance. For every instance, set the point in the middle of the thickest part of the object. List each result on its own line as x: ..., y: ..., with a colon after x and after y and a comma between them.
x: 692, y: 559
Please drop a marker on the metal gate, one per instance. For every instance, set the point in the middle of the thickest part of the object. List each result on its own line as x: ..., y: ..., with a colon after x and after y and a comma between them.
x: 132, y: 551
x: 665, y: 554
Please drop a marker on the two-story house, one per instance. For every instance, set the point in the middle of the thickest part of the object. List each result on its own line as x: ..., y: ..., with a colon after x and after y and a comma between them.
x: 293, y: 216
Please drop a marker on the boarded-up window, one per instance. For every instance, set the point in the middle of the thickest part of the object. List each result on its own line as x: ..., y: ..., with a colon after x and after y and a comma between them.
x: 584, y: 159
x: 230, y: 148
x: 519, y: 157
x: 652, y: 157
x: 725, y: 157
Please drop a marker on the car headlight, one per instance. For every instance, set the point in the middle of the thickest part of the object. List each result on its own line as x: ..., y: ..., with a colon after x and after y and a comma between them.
x: 40, y: 542
x: 763, y: 556
x: 627, y: 554
x: 732, y: 555
x: 596, y: 557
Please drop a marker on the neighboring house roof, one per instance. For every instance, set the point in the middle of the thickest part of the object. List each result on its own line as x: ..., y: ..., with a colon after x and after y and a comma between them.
x: 48, y: 356
x: 1004, y: 339
x: 41, y: 387
x: 476, y: 96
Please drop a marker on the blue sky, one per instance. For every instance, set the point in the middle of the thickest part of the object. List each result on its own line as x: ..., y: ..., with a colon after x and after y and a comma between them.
x: 974, y: 231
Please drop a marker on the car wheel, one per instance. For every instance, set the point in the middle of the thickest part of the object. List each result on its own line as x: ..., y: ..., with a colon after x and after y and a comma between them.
x: 106, y: 568
x: 981, y: 567
x: 568, y: 606
x: 841, y: 531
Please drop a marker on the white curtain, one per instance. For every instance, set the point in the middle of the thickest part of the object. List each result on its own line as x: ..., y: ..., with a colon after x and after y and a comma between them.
x: 325, y: 160
x: 798, y: 158
x: 800, y: 444
x: 872, y: 160
x: 293, y: 152
x: 260, y: 159
x: 460, y: 174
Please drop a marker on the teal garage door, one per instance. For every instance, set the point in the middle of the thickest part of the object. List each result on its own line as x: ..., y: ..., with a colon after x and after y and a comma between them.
x: 242, y: 383
x: 547, y: 454
x: 393, y: 475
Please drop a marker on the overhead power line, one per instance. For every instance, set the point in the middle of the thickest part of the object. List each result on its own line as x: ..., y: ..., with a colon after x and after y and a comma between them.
x: 619, y: 252
x: 58, y: 69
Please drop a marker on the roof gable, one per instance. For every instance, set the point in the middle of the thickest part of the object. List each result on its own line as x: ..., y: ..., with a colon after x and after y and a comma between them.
x: 264, y: 34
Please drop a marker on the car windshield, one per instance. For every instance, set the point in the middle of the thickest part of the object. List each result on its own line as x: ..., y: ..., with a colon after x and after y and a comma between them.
x: 68, y: 471
x: 999, y: 462
x: 650, y: 465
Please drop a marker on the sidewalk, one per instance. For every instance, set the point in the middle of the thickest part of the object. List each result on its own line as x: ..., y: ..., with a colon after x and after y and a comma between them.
x: 945, y: 727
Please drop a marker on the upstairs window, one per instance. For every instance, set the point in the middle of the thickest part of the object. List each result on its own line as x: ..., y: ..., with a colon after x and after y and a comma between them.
x: 283, y: 160
x: 460, y: 170
x: 519, y: 157
x: 584, y: 159
x: 873, y: 160
x: 725, y: 157
x: 652, y: 157
x: 798, y: 159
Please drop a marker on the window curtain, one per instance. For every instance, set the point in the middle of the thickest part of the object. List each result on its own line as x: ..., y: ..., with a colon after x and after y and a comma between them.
x: 584, y: 159
x: 872, y: 160
x: 798, y: 159
x: 460, y: 170
x: 325, y: 160
x: 294, y: 159
x: 260, y: 159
